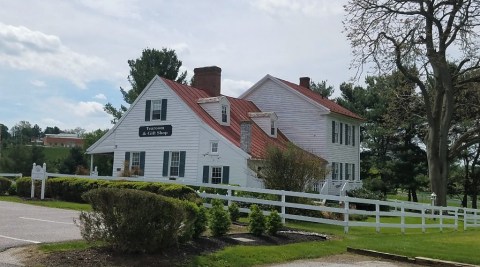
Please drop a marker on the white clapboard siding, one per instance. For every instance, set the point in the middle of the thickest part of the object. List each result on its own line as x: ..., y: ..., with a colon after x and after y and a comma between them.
x: 305, y: 124
x: 189, y: 134
x: 299, y: 120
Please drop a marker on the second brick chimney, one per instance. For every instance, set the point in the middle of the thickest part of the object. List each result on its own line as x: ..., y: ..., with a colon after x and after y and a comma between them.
x: 208, y: 79
x: 305, y: 82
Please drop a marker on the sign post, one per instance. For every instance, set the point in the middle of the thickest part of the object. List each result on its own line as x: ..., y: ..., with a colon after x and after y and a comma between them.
x: 39, y: 173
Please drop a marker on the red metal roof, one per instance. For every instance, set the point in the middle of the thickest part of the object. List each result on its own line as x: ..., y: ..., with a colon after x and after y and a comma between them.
x: 239, y: 109
x: 331, y: 105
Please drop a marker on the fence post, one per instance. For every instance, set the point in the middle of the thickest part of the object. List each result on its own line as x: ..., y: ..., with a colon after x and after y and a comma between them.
x: 229, y: 194
x: 465, y: 219
x: 283, y: 208
x: 377, y: 217
x: 440, y: 211
x: 456, y: 220
x: 423, y: 219
x: 345, y: 215
x: 402, y: 219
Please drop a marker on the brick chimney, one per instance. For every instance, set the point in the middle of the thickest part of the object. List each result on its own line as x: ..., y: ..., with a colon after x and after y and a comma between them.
x: 246, y: 136
x: 208, y: 79
x: 305, y: 82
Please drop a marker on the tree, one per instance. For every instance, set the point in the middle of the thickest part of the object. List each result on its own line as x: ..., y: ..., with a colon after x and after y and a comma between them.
x: 104, y: 162
x: 322, y: 89
x: 291, y: 169
x: 51, y: 130
x: 427, y: 34
x: 74, y: 161
x: 163, y: 63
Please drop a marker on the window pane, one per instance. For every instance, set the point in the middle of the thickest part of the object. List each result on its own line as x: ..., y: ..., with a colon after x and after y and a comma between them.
x: 135, y: 159
x: 156, y: 109
x: 214, y: 147
x: 224, y: 113
x: 216, y: 175
x: 174, y: 163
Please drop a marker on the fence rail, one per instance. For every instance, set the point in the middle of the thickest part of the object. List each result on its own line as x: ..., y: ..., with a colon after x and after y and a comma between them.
x: 345, y: 207
x: 11, y: 175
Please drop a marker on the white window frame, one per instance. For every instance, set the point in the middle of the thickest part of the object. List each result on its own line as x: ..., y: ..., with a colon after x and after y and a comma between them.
x: 348, y: 170
x: 348, y: 134
x: 335, y: 171
x: 224, y: 114
x: 174, y: 164
x: 218, y: 170
x: 133, y: 161
x: 336, y: 133
x: 214, y: 147
x: 156, y: 103
x: 273, y: 128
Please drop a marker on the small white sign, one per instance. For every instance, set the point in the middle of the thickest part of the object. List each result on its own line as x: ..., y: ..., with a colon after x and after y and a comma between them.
x: 38, y: 173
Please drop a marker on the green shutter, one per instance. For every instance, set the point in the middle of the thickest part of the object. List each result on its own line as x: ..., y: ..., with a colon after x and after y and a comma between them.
x: 346, y: 134
x: 341, y: 133
x: 182, y: 164
x: 333, y: 131
x: 226, y: 175
x: 165, y: 163
x: 163, y: 114
x: 334, y: 177
x: 142, y: 163
x: 353, y: 135
x: 206, y: 173
x: 148, y: 106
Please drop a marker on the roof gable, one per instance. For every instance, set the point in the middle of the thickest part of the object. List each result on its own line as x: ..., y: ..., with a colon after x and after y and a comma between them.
x: 239, y: 110
x: 307, y: 94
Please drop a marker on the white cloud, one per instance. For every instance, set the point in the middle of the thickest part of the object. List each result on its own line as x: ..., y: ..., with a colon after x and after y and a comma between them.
x: 125, y: 9
x: 314, y: 8
x: 25, y: 49
x: 38, y: 83
x: 235, y: 88
x: 100, y: 97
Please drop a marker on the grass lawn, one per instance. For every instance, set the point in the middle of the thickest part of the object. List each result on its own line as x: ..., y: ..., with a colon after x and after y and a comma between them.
x: 56, y: 153
x: 48, y: 203
x: 461, y: 246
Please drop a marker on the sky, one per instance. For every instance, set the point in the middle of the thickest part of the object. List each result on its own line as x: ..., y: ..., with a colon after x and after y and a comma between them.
x: 62, y: 61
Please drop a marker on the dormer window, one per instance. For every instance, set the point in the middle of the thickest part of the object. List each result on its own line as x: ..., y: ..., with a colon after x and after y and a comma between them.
x: 224, y: 113
x: 273, y: 128
x: 218, y: 107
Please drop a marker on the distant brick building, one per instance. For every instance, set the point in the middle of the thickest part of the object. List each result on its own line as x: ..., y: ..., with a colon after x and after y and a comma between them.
x: 62, y: 140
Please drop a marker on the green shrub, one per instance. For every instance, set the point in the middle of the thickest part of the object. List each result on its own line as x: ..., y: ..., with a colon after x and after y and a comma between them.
x: 365, y: 193
x: 12, y: 190
x: 134, y: 221
x: 234, y: 212
x: 256, y: 223
x: 219, y: 219
x: 72, y: 189
x: 24, y: 185
x: 201, y: 222
x: 274, y: 223
x: 5, y: 184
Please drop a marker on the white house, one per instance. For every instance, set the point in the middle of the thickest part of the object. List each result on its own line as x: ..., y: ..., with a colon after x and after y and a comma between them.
x: 316, y: 124
x: 195, y: 134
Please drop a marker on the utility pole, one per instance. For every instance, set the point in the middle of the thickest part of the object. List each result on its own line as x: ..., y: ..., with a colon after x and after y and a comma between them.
x: 1, y: 130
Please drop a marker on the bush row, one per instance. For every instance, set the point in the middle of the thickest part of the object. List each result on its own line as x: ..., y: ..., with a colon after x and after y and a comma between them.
x: 71, y: 189
x: 133, y: 221
x: 5, y: 184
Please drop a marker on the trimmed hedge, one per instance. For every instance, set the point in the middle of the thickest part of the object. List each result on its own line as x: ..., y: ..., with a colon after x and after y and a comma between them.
x: 4, y: 185
x: 71, y: 189
x: 135, y: 221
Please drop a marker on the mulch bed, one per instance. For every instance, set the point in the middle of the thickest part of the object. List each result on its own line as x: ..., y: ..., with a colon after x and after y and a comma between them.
x: 171, y: 257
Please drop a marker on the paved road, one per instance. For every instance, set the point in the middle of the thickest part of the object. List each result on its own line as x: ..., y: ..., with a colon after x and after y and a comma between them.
x: 22, y: 224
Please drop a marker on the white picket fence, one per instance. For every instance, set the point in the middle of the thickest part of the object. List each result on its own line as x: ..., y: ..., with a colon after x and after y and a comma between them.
x: 343, y: 206
x: 11, y: 175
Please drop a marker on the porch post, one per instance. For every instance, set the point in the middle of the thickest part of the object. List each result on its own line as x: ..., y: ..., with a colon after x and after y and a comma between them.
x: 91, y: 163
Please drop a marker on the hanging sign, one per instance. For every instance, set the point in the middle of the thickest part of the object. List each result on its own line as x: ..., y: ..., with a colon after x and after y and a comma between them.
x: 155, y: 130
